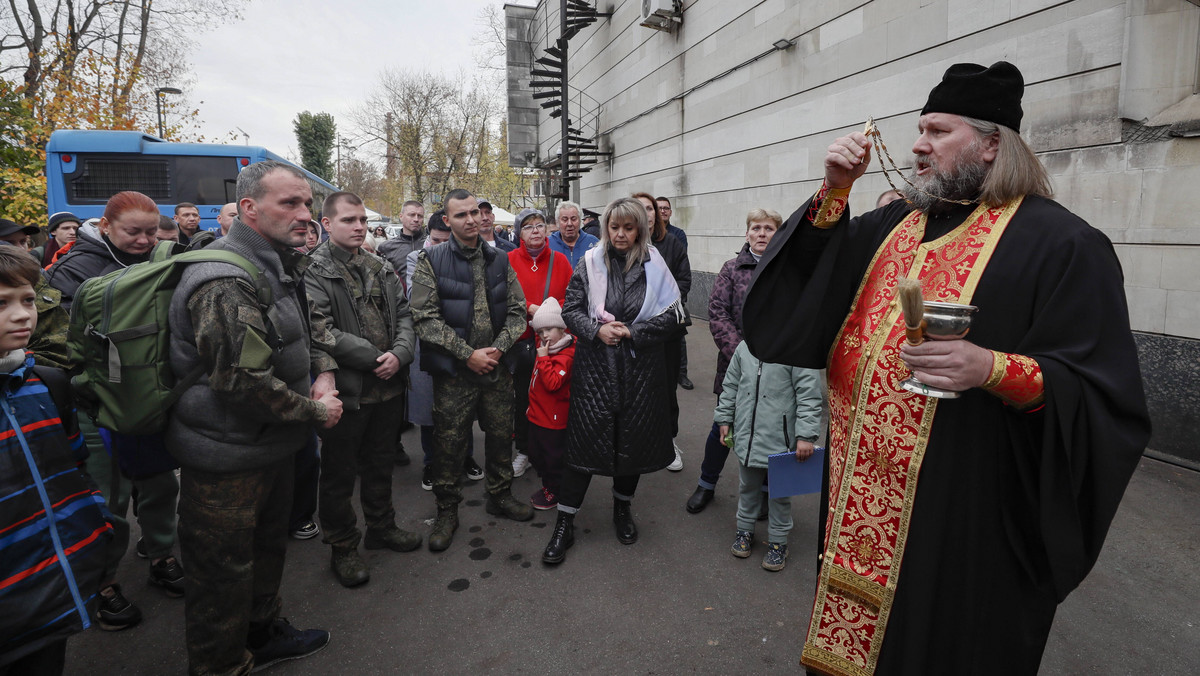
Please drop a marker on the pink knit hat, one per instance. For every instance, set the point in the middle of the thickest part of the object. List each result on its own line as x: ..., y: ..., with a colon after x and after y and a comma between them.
x: 549, y: 315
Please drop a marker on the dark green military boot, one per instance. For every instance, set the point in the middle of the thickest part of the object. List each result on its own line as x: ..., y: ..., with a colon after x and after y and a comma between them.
x: 509, y: 507
x: 443, y: 529
x: 349, y: 567
x: 395, y: 538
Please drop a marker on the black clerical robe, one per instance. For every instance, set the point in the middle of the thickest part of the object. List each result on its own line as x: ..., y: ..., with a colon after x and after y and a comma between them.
x: 1002, y: 500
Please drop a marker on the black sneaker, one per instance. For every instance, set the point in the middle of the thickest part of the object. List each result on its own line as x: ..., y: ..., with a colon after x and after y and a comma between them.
x: 169, y: 575
x: 285, y: 642
x: 474, y: 473
x: 115, y: 612
x: 140, y: 549
x: 427, y: 478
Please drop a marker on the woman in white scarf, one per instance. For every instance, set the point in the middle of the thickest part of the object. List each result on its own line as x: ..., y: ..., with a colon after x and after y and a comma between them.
x: 622, y: 305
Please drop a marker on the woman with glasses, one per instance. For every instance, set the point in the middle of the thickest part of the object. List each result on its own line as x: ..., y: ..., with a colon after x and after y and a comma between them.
x: 543, y: 273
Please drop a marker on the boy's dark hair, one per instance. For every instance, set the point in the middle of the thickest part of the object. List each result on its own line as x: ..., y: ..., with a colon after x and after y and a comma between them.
x: 17, y: 267
x: 437, y: 221
x: 167, y: 223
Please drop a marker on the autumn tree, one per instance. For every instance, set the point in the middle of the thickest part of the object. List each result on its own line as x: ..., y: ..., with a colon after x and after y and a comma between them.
x: 363, y: 179
x: 22, y: 163
x: 433, y: 131
x: 95, y: 64
x: 316, y: 134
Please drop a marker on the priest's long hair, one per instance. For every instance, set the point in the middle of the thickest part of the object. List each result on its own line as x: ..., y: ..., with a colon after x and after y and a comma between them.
x: 625, y: 208
x: 1016, y: 171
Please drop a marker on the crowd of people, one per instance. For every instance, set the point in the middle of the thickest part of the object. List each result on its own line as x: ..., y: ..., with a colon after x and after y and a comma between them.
x: 564, y: 340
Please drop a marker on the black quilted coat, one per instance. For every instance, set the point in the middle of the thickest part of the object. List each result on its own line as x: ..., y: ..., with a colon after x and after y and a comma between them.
x: 618, y: 423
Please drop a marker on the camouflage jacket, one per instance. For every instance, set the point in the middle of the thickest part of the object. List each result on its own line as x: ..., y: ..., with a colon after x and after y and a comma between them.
x: 368, y: 314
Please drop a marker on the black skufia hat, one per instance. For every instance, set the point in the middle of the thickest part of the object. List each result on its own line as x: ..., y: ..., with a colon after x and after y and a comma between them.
x: 992, y: 94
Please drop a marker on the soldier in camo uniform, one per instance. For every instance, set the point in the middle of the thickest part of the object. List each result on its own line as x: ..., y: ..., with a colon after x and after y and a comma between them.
x: 236, y: 431
x: 468, y: 310
x: 373, y: 345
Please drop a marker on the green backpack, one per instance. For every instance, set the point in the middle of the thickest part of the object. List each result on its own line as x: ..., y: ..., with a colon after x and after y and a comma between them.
x: 120, y: 341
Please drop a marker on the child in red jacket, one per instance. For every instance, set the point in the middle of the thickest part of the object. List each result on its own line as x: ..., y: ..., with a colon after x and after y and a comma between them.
x: 549, y: 399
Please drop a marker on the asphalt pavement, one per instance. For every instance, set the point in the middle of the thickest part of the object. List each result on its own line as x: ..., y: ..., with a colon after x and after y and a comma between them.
x: 674, y: 602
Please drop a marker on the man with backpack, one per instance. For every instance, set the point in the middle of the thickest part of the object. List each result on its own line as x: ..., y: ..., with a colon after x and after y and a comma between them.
x: 373, y: 344
x: 236, y: 430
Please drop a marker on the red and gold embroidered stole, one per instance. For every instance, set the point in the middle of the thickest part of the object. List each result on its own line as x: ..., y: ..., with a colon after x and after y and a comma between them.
x: 878, y: 435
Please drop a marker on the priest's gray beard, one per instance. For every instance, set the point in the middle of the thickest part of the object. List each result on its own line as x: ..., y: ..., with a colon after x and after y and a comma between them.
x: 963, y: 182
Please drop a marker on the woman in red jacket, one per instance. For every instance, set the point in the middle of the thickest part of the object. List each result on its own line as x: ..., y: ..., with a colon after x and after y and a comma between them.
x: 542, y: 273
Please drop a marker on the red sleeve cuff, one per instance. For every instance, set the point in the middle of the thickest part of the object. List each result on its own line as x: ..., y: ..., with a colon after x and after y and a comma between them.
x: 1016, y: 380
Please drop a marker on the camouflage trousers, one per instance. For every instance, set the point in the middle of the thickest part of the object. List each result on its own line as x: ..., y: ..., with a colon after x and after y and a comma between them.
x: 362, y: 445
x: 457, y: 402
x: 233, y: 530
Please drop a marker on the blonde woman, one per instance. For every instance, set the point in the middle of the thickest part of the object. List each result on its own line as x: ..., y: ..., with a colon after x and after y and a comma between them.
x: 622, y: 305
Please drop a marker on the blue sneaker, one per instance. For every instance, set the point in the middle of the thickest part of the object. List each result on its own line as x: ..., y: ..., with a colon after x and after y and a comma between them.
x: 285, y: 642
x: 742, y: 542
x: 776, y: 557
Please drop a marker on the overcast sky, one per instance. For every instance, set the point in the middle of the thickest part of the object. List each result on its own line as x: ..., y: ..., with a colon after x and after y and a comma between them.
x: 287, y: 56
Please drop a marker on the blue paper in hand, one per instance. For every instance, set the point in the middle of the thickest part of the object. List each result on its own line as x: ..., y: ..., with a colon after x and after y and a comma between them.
x: 787, y: 476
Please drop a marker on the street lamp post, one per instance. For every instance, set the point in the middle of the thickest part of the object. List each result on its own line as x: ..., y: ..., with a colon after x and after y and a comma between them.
x: 158, y: 94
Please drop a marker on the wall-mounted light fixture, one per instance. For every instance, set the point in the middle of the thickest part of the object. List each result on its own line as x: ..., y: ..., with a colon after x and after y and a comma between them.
x: 783, y: 43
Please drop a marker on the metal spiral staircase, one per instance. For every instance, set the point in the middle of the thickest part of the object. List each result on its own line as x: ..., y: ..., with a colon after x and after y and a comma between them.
x: 577, y: 112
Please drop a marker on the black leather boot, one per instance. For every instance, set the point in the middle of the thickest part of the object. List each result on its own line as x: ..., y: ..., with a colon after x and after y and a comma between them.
x: 699, y: 500
x: 623, y: 519
x: 561, y: 539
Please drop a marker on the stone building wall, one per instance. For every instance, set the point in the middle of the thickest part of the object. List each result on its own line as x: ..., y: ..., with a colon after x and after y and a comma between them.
x: 713, y: 116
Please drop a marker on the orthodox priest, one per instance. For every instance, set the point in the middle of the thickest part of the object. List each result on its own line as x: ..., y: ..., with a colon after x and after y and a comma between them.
x: 954, y: 527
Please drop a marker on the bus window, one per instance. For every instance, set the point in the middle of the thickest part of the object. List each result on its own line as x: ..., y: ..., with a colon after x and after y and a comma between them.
x: 165, y: 179
x: 99, y: 178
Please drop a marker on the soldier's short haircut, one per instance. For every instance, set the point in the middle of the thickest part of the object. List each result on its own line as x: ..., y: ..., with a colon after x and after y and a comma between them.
x: 249, y: 182
x: 166, y: 223
x: 329, y: 206
x: 17, y: 267
x: 411, y: 203
x: 456, y: 194
x: 185, y: 205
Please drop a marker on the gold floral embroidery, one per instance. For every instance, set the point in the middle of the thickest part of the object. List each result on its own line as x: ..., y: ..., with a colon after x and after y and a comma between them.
x: 832, y: 207
x: 1016, y: 380
x: 878, y: 436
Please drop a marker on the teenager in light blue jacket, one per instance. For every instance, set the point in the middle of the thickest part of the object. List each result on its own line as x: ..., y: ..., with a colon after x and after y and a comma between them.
x: 770, y: 408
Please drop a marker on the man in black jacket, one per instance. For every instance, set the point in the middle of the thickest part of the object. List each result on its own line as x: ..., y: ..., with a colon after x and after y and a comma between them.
x: 468, y: 310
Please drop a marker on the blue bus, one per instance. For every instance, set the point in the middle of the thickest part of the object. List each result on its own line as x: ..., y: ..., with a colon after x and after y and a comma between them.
x: 85, y: 168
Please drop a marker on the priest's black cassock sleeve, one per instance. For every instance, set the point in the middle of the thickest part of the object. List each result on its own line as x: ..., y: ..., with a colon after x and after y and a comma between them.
x: 1012, y: 507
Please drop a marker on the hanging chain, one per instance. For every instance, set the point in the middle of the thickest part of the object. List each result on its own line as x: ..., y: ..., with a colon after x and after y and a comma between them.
x: 881, y: 151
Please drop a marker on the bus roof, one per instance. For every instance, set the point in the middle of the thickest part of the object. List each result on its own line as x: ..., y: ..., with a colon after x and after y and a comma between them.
x: 111, y: 141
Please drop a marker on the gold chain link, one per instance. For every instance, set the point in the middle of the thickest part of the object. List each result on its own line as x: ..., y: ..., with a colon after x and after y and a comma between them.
x: 881, y: 151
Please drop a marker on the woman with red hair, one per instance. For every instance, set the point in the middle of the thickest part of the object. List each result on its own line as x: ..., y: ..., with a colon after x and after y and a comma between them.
x: 125, y: 236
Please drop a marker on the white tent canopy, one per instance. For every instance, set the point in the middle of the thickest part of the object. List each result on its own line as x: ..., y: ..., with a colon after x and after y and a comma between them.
x: 504, y: 217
